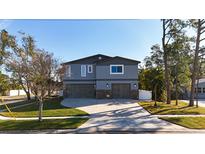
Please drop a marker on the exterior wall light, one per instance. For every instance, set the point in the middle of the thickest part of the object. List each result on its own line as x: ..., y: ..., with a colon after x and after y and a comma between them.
x: 107, y: 85
x: 135, y: 85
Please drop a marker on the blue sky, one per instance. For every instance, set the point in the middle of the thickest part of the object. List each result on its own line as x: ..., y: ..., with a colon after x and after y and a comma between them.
x: 73, y: 39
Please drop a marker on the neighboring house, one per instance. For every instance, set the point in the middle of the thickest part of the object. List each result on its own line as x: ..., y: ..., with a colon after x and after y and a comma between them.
x: 101, y: 76
x: 201, y: 88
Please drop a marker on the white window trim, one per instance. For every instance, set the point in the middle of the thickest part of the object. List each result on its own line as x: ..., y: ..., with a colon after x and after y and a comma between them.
x: 91, y: 66
x: 69, y: 71
x: 117, y: 65
x: 81, y: 70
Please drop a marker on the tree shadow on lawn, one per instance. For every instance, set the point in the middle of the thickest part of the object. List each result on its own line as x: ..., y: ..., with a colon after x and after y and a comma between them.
x: 49, y: 104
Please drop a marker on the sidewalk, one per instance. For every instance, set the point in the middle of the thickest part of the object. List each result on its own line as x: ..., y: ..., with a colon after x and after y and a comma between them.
x: 188, y: 115
x: 36, y: 118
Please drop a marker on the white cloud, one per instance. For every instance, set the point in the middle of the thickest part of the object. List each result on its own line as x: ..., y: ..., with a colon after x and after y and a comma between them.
x: 5, y: 23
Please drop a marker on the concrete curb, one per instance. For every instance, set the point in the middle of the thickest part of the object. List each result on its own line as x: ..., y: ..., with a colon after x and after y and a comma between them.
x: 77, y: 131
x: 36, y: 118
x: 160, y: 116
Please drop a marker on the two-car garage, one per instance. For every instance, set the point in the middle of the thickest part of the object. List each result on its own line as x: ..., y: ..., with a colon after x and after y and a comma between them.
x: 118, y: 90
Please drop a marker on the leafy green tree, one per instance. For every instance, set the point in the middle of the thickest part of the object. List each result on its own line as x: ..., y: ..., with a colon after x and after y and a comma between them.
x: 4, y: 44
x: 180, y: 61
x: 19, y: 59
x: 199, y: 25
x: 4, y: 84
x: 152, y: 79
x: 170, y: 28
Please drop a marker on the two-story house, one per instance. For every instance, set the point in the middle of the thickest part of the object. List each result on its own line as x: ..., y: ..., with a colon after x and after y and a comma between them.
x: 101, y: 76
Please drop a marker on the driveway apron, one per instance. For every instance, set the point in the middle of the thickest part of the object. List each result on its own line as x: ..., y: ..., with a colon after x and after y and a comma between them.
x: 118, y: 115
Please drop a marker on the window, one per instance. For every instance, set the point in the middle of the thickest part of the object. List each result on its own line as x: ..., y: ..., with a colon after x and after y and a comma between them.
x: 68, y: 71
x: 199, y: 90
x: 116, y: 69
x: 83, y: 70
x: 203, y: 90
x: 90, y: 68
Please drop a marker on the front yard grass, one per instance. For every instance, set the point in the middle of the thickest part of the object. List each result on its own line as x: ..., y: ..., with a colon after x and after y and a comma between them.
x: 172, y: 109
x: 12, y: 105
x: 188, y: 122
x: 52, y: 108
x: 70, y: 123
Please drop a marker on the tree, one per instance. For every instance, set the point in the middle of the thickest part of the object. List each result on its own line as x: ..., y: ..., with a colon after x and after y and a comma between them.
x: 180, y: 61
x: 200, y: 27
x: 4, y: 43
x: 19, y: 59
x: 54, y: 74
x: 170, y: 28
x: 4, y: 84
x: 153, y: 79
x: 40, y: 73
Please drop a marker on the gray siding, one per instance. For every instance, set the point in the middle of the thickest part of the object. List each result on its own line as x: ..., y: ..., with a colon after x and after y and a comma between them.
x: 76, y: 72
x: 118, y: 60
x: 130, y: 72
x: 102, y: 85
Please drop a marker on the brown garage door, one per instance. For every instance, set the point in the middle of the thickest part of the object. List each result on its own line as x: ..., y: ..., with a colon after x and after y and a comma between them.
x: 80, y: 91
x: 121, y: 90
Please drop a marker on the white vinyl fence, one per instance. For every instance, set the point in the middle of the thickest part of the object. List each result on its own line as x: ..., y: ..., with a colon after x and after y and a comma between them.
x: 16, y: 92
x: 145, y: 95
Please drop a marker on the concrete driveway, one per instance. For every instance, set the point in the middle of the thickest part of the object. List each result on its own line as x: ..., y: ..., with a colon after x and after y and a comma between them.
x: 201, y: 102
x: 118, y: 115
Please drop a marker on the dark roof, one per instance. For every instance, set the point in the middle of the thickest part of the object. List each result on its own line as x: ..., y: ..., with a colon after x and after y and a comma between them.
x: 103, y: 60
x: 130, y: 61
x: 90, y: 59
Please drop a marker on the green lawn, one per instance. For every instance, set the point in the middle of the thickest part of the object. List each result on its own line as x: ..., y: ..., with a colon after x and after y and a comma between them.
x: 189, y: 122
x: 52, y: 108
x: 165, y: 109
x: 24, y: 102
x: 71, y: 123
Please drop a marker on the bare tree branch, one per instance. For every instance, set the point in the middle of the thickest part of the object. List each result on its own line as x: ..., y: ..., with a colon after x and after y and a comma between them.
x: 201, y: 39
x: 202, y: 22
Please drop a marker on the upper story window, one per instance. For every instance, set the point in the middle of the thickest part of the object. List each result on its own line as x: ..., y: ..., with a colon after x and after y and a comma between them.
x: 199, y: 90
x: 203, y: 90
x: 68, y: 71
x: 90, y: 68
x: 116, y: 69
x: 83, y: 70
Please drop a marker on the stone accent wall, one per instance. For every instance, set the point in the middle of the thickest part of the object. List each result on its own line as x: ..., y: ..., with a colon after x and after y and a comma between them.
x: 134, y: 94
x: 100, y: 94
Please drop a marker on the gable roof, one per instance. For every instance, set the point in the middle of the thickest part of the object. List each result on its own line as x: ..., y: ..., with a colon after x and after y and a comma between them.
x: 89, y: 59
x: 101, y: 59
x: 118, y: 59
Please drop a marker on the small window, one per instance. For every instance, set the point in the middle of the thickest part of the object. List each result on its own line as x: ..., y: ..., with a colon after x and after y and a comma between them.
x: 68, y: 71
x: 199, y: 90
x: 83, y: 70
x: 116, y: 69
x: 203, y: 90
x: 90, y: 68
